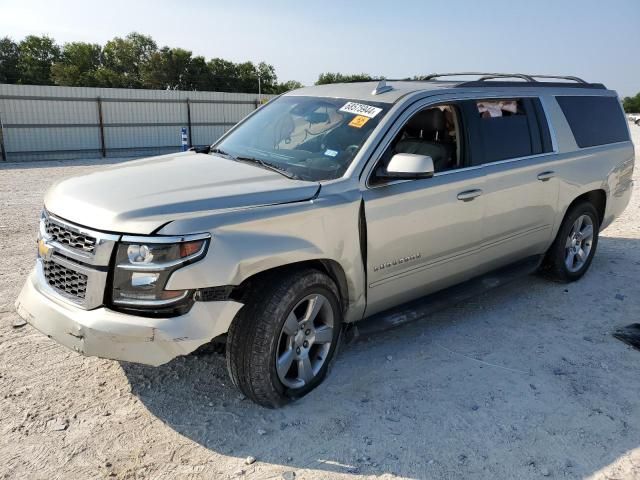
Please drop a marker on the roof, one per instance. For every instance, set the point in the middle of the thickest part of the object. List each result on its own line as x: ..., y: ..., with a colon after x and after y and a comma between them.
x: 364, y: 90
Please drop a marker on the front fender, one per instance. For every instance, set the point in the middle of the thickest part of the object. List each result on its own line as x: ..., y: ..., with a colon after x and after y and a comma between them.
x: 235, y: 256
x: 245, y: 243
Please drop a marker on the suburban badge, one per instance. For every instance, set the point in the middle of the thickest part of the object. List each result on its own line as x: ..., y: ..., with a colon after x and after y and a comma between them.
x: 398, y: 261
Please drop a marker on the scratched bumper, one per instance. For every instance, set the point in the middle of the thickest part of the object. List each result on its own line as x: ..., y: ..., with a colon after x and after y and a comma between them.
x: 108, y: 334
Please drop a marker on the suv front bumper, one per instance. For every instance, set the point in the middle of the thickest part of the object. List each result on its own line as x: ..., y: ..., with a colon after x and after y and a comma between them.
x: 108, y: 334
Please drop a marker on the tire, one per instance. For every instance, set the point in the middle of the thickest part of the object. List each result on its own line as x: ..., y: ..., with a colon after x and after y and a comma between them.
x: 267, y: 331
x: 563, y: 262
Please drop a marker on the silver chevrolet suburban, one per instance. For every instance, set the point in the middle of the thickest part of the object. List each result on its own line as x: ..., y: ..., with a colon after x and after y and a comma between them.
x: 328, y: 205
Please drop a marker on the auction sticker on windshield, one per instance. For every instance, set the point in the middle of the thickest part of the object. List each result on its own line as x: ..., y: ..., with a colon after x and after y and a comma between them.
x: 360, y: 109
x: 358, y: 121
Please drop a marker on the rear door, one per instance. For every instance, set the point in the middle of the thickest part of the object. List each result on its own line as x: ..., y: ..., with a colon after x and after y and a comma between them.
x: 517, y: 154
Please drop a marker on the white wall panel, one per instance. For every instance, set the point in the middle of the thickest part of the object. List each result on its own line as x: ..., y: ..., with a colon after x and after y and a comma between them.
x: 46, y: 122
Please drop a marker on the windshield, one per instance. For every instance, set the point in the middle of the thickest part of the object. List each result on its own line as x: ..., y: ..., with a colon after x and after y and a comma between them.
x: 309, y: 138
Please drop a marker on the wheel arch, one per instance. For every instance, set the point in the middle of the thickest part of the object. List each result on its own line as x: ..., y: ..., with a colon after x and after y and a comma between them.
x: 598, y: 198
x: 330, y: 267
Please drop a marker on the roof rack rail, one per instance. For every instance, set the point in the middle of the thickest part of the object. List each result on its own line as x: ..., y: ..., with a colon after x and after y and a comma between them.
x: 482, y: 75
x: 561, y: 77
x: 488, y: 76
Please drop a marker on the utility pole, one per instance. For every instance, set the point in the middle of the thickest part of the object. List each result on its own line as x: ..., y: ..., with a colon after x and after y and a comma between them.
x: 3, y: 152
x: 259, y: 89
x: 103, y: 145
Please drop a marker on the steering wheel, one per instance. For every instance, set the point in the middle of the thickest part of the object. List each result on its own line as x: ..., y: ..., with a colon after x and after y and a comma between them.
x: 351, y: 149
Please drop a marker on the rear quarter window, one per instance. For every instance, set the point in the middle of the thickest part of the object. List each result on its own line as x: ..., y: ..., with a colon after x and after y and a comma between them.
x: 594, y: 120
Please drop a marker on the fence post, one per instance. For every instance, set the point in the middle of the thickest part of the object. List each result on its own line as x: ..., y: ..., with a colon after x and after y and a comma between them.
x: 189, y: 123
x: 3, y: 152
x: 103, y: 147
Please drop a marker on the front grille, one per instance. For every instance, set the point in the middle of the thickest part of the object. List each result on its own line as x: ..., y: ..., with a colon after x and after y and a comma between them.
x: 66, y: 236
x: 65, y: 280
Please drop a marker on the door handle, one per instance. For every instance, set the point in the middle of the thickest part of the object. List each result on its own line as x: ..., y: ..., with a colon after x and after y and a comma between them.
x: 548, y: 175
x: 469, y: 195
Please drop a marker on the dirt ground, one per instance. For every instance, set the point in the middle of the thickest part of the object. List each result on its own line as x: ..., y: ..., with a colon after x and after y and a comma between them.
x: 523, y: 382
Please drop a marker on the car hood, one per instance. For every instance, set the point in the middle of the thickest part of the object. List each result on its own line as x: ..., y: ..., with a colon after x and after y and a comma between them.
x: 140, y: 196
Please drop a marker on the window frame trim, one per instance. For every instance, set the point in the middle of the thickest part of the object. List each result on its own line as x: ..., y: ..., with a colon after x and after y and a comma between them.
x: 419, y: 105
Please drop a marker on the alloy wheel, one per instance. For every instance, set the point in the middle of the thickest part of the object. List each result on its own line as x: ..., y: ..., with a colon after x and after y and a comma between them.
x: 578, y: 244
x: 305, y: 341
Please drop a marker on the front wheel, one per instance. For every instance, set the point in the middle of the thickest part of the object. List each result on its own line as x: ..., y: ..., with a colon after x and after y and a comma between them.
x: 571, y: 253
x: 281, y: 343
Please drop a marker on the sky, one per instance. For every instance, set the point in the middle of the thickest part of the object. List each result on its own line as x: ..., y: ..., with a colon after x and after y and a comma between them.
x: 596, y: 40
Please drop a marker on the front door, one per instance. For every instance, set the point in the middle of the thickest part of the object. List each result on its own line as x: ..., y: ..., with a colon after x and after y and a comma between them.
x: 425, y: 234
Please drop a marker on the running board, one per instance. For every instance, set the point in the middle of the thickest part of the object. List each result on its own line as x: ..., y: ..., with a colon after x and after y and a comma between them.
x: 425, y: 306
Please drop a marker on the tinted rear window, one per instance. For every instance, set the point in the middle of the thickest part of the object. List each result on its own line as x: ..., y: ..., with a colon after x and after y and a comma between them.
x: 594, y: 120
x: 504, y: 128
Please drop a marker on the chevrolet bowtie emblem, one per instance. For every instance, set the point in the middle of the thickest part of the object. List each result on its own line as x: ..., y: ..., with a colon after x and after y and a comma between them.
x: 44, y: 250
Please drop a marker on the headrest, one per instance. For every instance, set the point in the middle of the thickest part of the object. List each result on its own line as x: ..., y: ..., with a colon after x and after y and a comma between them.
x: 428, y: 120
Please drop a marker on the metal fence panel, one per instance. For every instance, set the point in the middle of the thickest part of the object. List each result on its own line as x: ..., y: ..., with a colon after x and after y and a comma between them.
x: 202, y: 134
x: 45, y: 122
x: 143, y: 112
x: 51, y: 139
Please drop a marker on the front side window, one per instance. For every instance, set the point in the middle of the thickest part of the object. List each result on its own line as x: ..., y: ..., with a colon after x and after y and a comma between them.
x: 434, y: 132
x: 310, y: 138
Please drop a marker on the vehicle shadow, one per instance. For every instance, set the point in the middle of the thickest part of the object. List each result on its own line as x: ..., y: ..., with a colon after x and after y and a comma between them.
x: 521, y: 382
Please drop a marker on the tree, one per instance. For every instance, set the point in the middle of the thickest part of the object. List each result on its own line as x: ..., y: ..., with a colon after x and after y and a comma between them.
x: 167, y: 69
x: 631, y: 104
x: 37, y: 55
x: 198, y: 75
x: 130, y: 62
x: 325, y: 78
x: 268, y: 77
x: 226, y: 76
x: 9, y: 56
x: 222, y: 75
x: 78, y: 65
x: 287, y: 86
x: 123, y: 58
x: 247, y: 78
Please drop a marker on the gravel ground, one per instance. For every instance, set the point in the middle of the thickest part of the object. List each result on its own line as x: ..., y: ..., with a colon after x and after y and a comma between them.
x: 522, y: 382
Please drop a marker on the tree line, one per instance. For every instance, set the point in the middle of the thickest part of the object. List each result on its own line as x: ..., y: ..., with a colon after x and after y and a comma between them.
x: 134, y: 61
x: 631, y: 104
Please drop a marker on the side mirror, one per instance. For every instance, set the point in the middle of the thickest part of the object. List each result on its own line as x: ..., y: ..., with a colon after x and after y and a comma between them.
x: 204, y: 149
x: 410, y: 166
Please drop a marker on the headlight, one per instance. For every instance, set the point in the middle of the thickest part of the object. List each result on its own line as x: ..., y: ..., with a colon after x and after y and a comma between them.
x: 144, y: 265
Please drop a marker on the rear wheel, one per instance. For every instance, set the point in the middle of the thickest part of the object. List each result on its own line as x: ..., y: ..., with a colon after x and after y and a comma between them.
x: 281, y: 343
x: 571, y: 253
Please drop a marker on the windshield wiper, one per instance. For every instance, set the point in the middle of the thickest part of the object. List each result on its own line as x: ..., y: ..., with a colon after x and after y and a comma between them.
x: 219, y: 151
x: 267, y: 165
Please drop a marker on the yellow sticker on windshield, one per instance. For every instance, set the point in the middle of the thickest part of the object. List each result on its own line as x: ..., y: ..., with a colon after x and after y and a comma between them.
x: 358, y: 121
